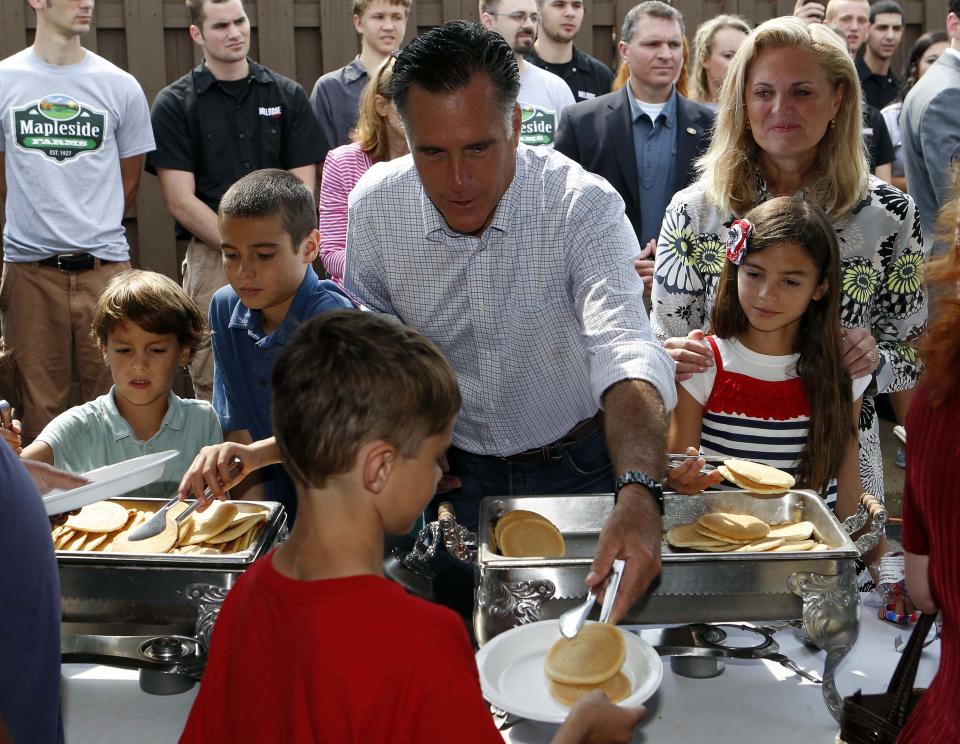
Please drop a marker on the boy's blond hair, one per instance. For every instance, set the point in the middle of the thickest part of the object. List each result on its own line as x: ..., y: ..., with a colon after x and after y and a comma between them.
x: 348, y: 377
x: 154, y: 302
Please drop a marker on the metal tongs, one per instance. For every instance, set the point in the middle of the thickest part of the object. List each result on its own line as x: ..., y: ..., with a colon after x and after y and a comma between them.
x: 158, y: 522
x: 572, y: 620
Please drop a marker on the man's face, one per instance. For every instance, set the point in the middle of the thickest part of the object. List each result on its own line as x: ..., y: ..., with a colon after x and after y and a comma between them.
x: 516, y: 21
x: 382, y: 26
x: 560, y: 19
x: 66, y: 17
x: 224, y: 35
x: 853, y: 18
x: 885, y: 34
x: 654, y: 53
x: 464, y: 153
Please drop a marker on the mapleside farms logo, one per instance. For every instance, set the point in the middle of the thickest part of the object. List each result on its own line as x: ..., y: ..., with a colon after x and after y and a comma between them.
x: 59, y: 128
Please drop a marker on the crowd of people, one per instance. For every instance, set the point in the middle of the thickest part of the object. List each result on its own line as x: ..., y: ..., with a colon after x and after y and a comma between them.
x: 541, y: 276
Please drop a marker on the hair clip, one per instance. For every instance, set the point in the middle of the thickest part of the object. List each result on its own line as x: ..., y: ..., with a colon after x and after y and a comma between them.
x: 738, y: 233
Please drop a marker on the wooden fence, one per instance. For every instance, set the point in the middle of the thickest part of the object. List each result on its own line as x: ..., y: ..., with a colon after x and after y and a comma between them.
x: 304, y: 38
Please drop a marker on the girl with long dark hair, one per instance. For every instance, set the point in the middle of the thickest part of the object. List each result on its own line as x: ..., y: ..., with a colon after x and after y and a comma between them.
x: 779, y: 393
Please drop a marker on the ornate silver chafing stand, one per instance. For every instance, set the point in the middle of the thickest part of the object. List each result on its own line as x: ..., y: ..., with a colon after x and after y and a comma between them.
x: 813, y: 591
x: 152, y: 612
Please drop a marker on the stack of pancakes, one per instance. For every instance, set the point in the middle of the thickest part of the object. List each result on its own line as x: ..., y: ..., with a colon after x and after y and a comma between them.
x: 224, y: 527
x: 752, y: 476
x: 526, y: 534
x: 591, y: 660
x: 742, y: 533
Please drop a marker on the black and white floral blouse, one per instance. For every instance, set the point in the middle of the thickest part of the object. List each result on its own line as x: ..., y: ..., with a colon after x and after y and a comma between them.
x: 882, y: 255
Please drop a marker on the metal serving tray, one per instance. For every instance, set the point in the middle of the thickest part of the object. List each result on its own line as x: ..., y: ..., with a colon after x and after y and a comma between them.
x: 128, y: 609
x: 818, y: 588
x: 692, y: 587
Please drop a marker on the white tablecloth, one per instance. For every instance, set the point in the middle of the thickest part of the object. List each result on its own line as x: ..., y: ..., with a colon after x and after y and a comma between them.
x: 752, y: 701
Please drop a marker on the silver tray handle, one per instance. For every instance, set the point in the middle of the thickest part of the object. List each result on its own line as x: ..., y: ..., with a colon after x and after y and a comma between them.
x: 869, y: 511
x: 460, y: 542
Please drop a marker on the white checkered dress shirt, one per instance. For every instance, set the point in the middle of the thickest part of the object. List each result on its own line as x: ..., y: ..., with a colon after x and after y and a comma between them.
x: 538, y: 316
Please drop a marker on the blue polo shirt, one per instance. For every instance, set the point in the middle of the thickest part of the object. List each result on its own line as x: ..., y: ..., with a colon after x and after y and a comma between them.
x: 243, y: 363
x: 655, y: 145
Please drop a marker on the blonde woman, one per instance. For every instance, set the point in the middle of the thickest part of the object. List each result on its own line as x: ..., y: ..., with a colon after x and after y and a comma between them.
x: 790, y: 121
x: 714, y: 45
x: 377, y: 136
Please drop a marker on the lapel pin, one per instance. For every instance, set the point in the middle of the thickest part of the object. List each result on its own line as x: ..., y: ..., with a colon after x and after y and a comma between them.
x: 691, y: 130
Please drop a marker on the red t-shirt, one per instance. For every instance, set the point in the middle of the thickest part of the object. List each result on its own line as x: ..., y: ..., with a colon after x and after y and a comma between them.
x: 931, y: 527
x: 338, y: 660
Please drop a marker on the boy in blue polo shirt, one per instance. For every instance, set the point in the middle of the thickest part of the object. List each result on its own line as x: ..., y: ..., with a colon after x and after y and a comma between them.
x: 269, y: 237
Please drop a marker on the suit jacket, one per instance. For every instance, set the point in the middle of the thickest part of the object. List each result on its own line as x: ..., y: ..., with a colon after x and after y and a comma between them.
x: 598, y: 134
x: 930, y: 132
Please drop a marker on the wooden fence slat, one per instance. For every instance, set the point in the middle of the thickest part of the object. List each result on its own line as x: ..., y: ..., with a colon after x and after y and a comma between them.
x: 145, y: 51
x: 276, y: 37
x: 339, y: 39
x: 13, y: 20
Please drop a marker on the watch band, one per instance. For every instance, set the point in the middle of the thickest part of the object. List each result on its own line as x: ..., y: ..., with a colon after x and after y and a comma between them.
x: 644, y: 479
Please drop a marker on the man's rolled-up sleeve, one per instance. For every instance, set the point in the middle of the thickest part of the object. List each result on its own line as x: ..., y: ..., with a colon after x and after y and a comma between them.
x: 608, y: 296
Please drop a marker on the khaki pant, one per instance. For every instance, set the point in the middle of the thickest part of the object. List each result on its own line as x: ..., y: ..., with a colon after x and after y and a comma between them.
x: 46, y: 316
x: 202, y: 276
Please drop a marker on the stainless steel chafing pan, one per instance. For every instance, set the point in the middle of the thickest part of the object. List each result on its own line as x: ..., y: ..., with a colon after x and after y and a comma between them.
x: 154, y: 612
x: 817, y: 588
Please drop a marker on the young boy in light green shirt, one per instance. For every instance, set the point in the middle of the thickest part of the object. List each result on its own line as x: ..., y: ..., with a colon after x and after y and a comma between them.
x: 146, y: 327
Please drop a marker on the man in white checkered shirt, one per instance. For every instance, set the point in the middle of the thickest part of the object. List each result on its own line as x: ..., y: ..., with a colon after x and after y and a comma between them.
x: 518, y: 264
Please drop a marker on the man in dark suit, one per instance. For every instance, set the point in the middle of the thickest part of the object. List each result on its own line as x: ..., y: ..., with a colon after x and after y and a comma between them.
x: 645, y: 138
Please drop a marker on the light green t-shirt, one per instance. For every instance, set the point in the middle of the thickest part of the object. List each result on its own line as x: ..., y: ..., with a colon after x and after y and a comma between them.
x: 95, y: 434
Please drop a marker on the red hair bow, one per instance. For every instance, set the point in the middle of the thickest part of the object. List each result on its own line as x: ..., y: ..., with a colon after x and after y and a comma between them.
x: 738, y: 234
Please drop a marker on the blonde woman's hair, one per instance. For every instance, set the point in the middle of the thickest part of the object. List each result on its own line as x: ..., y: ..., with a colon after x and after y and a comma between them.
x: 371, y: 129
x: 839, y: 176
x: 703, y: 48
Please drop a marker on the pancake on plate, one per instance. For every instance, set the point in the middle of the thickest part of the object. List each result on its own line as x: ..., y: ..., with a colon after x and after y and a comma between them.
x: 592, y: 656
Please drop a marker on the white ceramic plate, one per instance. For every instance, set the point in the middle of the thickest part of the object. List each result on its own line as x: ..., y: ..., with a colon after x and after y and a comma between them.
x: 109, y: 481
x: 512, y: 676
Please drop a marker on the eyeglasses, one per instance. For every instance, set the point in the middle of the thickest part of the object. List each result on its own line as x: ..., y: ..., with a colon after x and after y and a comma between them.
x: 519, y: 16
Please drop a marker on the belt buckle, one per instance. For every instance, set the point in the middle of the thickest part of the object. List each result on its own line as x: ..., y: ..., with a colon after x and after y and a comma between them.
x: 75, y: 262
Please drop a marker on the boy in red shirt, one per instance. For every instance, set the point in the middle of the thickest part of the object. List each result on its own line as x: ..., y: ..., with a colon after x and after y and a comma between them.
x: 313, y: 644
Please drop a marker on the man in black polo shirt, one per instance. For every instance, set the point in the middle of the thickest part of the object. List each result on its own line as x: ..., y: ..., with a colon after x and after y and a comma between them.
x: 554, y: 51
x: 224, y: 119
x: 880, y: 86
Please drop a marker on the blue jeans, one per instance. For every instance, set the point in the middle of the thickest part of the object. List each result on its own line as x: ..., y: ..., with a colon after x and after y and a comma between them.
x: 581, y: 467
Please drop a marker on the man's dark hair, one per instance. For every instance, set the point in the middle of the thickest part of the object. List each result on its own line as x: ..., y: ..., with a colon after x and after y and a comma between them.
x: 954, y: 7
x: 446, y: 59
x: 348, y: 377
x: 273, y: 192
x: 885, y: 6
x: 654, y: 9
x: 195, y: 10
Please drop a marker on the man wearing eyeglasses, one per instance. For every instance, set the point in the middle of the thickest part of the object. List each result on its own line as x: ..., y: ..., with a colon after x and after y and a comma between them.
x: 543, y: 95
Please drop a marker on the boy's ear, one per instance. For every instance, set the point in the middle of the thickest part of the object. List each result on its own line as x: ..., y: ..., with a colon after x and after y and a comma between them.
x: 821, y: 290
x: 356, y: 24
x: 103, y: 353
x: 184, y: 359
x: 378, y: 463
x: 310, y: 246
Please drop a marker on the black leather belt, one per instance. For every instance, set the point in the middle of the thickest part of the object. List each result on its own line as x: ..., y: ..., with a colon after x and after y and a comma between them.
x: 73, y: 261
x: 549, y: 451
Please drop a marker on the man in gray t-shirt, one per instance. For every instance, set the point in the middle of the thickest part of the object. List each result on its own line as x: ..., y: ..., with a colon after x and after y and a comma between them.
x: 73, y: 132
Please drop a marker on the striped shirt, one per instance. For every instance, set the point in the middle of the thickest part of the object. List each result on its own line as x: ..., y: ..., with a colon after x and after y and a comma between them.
x: 539, y: 315
x: 341, y: 171
x: 754, y: 407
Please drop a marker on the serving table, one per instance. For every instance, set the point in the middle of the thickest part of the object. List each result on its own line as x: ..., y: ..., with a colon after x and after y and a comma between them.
x: 752, y: 700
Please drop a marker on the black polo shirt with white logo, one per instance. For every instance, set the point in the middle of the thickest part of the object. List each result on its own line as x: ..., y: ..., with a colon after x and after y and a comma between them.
x: 587, y: 76
x: 221, y: 130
